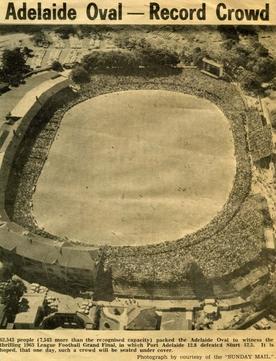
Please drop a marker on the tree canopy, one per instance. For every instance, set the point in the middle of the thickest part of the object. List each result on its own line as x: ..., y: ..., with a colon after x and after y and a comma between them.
x: 80, y: 75
x: 14, y: 65
x: 129, y: 60
x: 40, y: 39
x: 99, y: 60
x: 260, y: 296
x: 56, y: 65
x: 12, y: 293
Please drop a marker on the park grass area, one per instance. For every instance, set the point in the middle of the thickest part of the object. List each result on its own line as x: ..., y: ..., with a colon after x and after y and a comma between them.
x: 128, y: 169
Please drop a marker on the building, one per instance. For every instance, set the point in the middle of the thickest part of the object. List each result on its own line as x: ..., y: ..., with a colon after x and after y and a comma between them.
x: 129, y: 318
x: 210, y: 301
x: 251, y: 279
x: 232, y: 303
x: 66, y: 320
x: 112, y: 318
x: 211, y: 311
x: 259, y: 138
x: 270, y: 242
x: 31, y: 316
x: 40, y: 259
x: 212, y: 68
x: 175, y: 321
x: 146, y: 319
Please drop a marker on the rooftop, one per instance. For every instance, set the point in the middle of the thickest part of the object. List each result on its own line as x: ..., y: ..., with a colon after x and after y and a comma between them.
x: 35, y: 302
x: 9, y: 100
x: 251, y: 278
x: 212, y: 62
x: 146, y: 319
x: 33, y: 96
x: 34, y: 247
x: 269, y: 238
x: 175, y: 321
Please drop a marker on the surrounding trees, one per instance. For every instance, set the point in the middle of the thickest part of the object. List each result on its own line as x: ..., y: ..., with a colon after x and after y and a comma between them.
x: 99, y: 60
x: 152, y: 56
x: 14, y: 65
x: 273, y: 83
x: 56, y: 65
x: 128, y: 60
x: 197, y: 56
x: 260, y: 296
x: 130, y: 42
x: 148, y: 54
x: 40, y: 39
x: 250, y: 64
x: 65, y: 31
x: 247, y: 62
x: 250, y: 81
x: 12, y: 293
x: 80, y: 75
x: 260, y: 50
x: 229, y: 32
x: 27, y: 52
x: 265, y: 68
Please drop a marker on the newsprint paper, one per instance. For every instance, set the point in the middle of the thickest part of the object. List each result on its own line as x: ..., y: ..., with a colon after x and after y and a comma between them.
x: 137, y: 180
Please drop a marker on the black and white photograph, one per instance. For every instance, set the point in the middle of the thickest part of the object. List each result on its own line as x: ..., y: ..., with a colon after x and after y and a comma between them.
x: 137, y: 177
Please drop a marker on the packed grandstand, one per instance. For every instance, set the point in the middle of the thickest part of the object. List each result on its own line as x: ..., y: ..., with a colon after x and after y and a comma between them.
x: 220, y: 251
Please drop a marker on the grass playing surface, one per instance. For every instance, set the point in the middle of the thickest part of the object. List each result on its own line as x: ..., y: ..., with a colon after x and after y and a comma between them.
x: 136, y: 167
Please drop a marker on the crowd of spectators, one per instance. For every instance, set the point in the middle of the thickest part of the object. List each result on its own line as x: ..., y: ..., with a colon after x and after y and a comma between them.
x: 259, y: 136
x: 232, y: 238
x: 30, y: 159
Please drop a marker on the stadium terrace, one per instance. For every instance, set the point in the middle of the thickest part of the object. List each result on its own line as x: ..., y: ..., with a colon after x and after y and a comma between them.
x: 39, y: 12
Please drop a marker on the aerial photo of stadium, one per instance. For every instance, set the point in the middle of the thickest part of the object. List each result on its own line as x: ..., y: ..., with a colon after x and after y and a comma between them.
x: 137, y: 180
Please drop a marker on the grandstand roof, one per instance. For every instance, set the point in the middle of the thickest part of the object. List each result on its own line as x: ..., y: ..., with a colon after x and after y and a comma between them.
x: 32, y: 249
x: 7, y: 239
x: 251, y: 278
x: 9, y: 99
x: 76, y: 258
x: 33, y: 97
x: 42, y: 250
x: 212, y: 62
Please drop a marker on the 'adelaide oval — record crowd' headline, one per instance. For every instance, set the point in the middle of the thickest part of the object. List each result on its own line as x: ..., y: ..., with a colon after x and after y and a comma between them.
x: 95, y: 11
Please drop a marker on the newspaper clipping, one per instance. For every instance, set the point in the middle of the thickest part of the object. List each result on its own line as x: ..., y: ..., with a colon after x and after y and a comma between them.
x: 137, y: 180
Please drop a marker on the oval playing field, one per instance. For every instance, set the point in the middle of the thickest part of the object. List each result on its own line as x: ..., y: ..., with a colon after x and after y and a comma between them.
x: 136, y: 167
